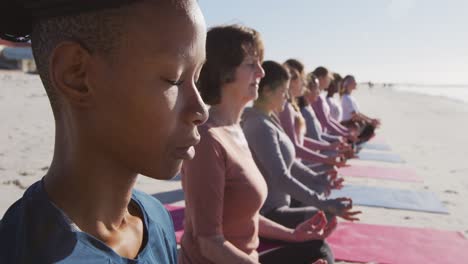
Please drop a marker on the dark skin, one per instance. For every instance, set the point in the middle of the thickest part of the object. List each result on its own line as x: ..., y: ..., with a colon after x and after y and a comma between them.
x: 135, y: 112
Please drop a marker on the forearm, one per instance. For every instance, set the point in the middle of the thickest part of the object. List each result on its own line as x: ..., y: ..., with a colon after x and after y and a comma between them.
x: 309, y: 155
x: 340, y: 126
x: 366, y: 118
x: 307, y: 177
x: 315, y: 144
x: 272, y: 230
x: 298, y: 190
x: 358, y: 117
x: 218, y: 250
x: 335, y: 130
x: 331, y: 138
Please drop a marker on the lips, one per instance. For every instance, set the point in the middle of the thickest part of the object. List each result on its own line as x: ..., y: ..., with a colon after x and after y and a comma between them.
x: 187, y: 151
x: 254, y: 85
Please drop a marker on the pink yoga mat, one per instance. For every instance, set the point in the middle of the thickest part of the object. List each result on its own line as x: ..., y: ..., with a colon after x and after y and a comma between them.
x: 388, y: 173
x: 177, y: 214
x: 393, y: 245
x: 397, y: 245
x: 375, y: 243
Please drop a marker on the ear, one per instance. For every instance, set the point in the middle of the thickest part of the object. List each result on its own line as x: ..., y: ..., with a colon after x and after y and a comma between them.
x: 267, y: 91
x: 68, y: 70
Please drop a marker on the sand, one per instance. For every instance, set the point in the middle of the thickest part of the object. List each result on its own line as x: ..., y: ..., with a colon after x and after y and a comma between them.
x: 430, y: 133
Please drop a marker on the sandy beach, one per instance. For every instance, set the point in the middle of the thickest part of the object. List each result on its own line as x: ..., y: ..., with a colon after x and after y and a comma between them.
x: 430, y: 133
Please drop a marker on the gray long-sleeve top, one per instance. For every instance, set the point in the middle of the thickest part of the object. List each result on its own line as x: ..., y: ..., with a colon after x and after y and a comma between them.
x: 314, y: 128
x: 274, y: 155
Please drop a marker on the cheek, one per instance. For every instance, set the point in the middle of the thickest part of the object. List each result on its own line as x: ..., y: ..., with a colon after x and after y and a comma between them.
x: 297, y: 90
x: 247, y: 77
x: 280, y: 99
x: 142, y: 117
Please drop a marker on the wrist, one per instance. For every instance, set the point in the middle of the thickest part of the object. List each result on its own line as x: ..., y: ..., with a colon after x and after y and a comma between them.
x: 327, y: 207
x: 291, y: 235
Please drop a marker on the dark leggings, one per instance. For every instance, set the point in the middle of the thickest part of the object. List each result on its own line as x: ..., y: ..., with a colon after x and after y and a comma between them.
x: 299, y: 253
x: 365, y: 130
x: 293, y: 253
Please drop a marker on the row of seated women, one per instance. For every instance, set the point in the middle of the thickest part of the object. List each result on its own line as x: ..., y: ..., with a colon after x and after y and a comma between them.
x: 121, y: 87
x: 267, y: 170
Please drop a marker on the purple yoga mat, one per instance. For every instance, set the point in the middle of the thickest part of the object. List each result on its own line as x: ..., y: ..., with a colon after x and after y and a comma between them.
x: 387, y: 173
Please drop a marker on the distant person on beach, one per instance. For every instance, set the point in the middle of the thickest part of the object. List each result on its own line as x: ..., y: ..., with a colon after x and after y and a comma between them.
x: 224, y: 190
x: 352, y: 117
x: 322, y: 110
x: 314, y: 127
x: 293, y: 123
x: 121, y: 87
x: 274, y: 154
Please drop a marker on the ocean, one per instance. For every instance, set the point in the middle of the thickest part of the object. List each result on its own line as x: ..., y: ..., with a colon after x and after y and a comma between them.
x: 457, y: 93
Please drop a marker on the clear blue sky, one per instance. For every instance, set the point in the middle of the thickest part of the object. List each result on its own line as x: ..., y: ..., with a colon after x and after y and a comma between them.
x: 420, y: 41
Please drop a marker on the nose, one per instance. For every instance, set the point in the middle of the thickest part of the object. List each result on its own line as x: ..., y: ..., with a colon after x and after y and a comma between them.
x: 196, y: 109
x: 260, y: 73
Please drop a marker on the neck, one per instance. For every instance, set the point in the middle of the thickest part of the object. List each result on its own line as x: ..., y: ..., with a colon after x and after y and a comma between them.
x: 92, y: 190
x: 263, y: 107
x: 227, y: 113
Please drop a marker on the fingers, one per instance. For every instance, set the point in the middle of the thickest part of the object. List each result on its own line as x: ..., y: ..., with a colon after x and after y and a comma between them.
x: 347, y: 202
x: 354, y: 213
x: 316, y: 218
x: 333, y: 173
x: 320, y: 261
x: 350, y: 216
x: 316, y: 223
x: 330, y: 228
x: 312, y: 228
x: 320, y: 221
x: 338, y: 183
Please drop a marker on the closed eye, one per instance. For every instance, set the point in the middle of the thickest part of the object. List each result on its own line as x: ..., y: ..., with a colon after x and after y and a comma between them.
x: 174, y: 83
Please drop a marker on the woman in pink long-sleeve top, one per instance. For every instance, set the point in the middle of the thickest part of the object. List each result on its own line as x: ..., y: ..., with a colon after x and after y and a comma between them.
x: 224, y: 189
x: 322, y: 109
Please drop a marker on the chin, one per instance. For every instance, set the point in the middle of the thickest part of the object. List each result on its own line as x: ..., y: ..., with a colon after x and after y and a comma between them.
x: 168, y: 171
x: 172, y: 171
x: 253, y: 94
x: 253, y: 97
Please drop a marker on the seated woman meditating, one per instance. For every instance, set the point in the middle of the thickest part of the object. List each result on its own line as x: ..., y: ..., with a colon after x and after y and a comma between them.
x: 113, y: 75
x: 333, y: 103
x: 352, y: 117
x: 224, y: 190
x: 322, y: 111
x: 314, y: 128
x: 274, y: 154
x: 294, y: 125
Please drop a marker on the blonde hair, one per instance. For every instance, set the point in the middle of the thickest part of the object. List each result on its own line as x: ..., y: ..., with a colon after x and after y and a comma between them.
x: 299, y: 121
